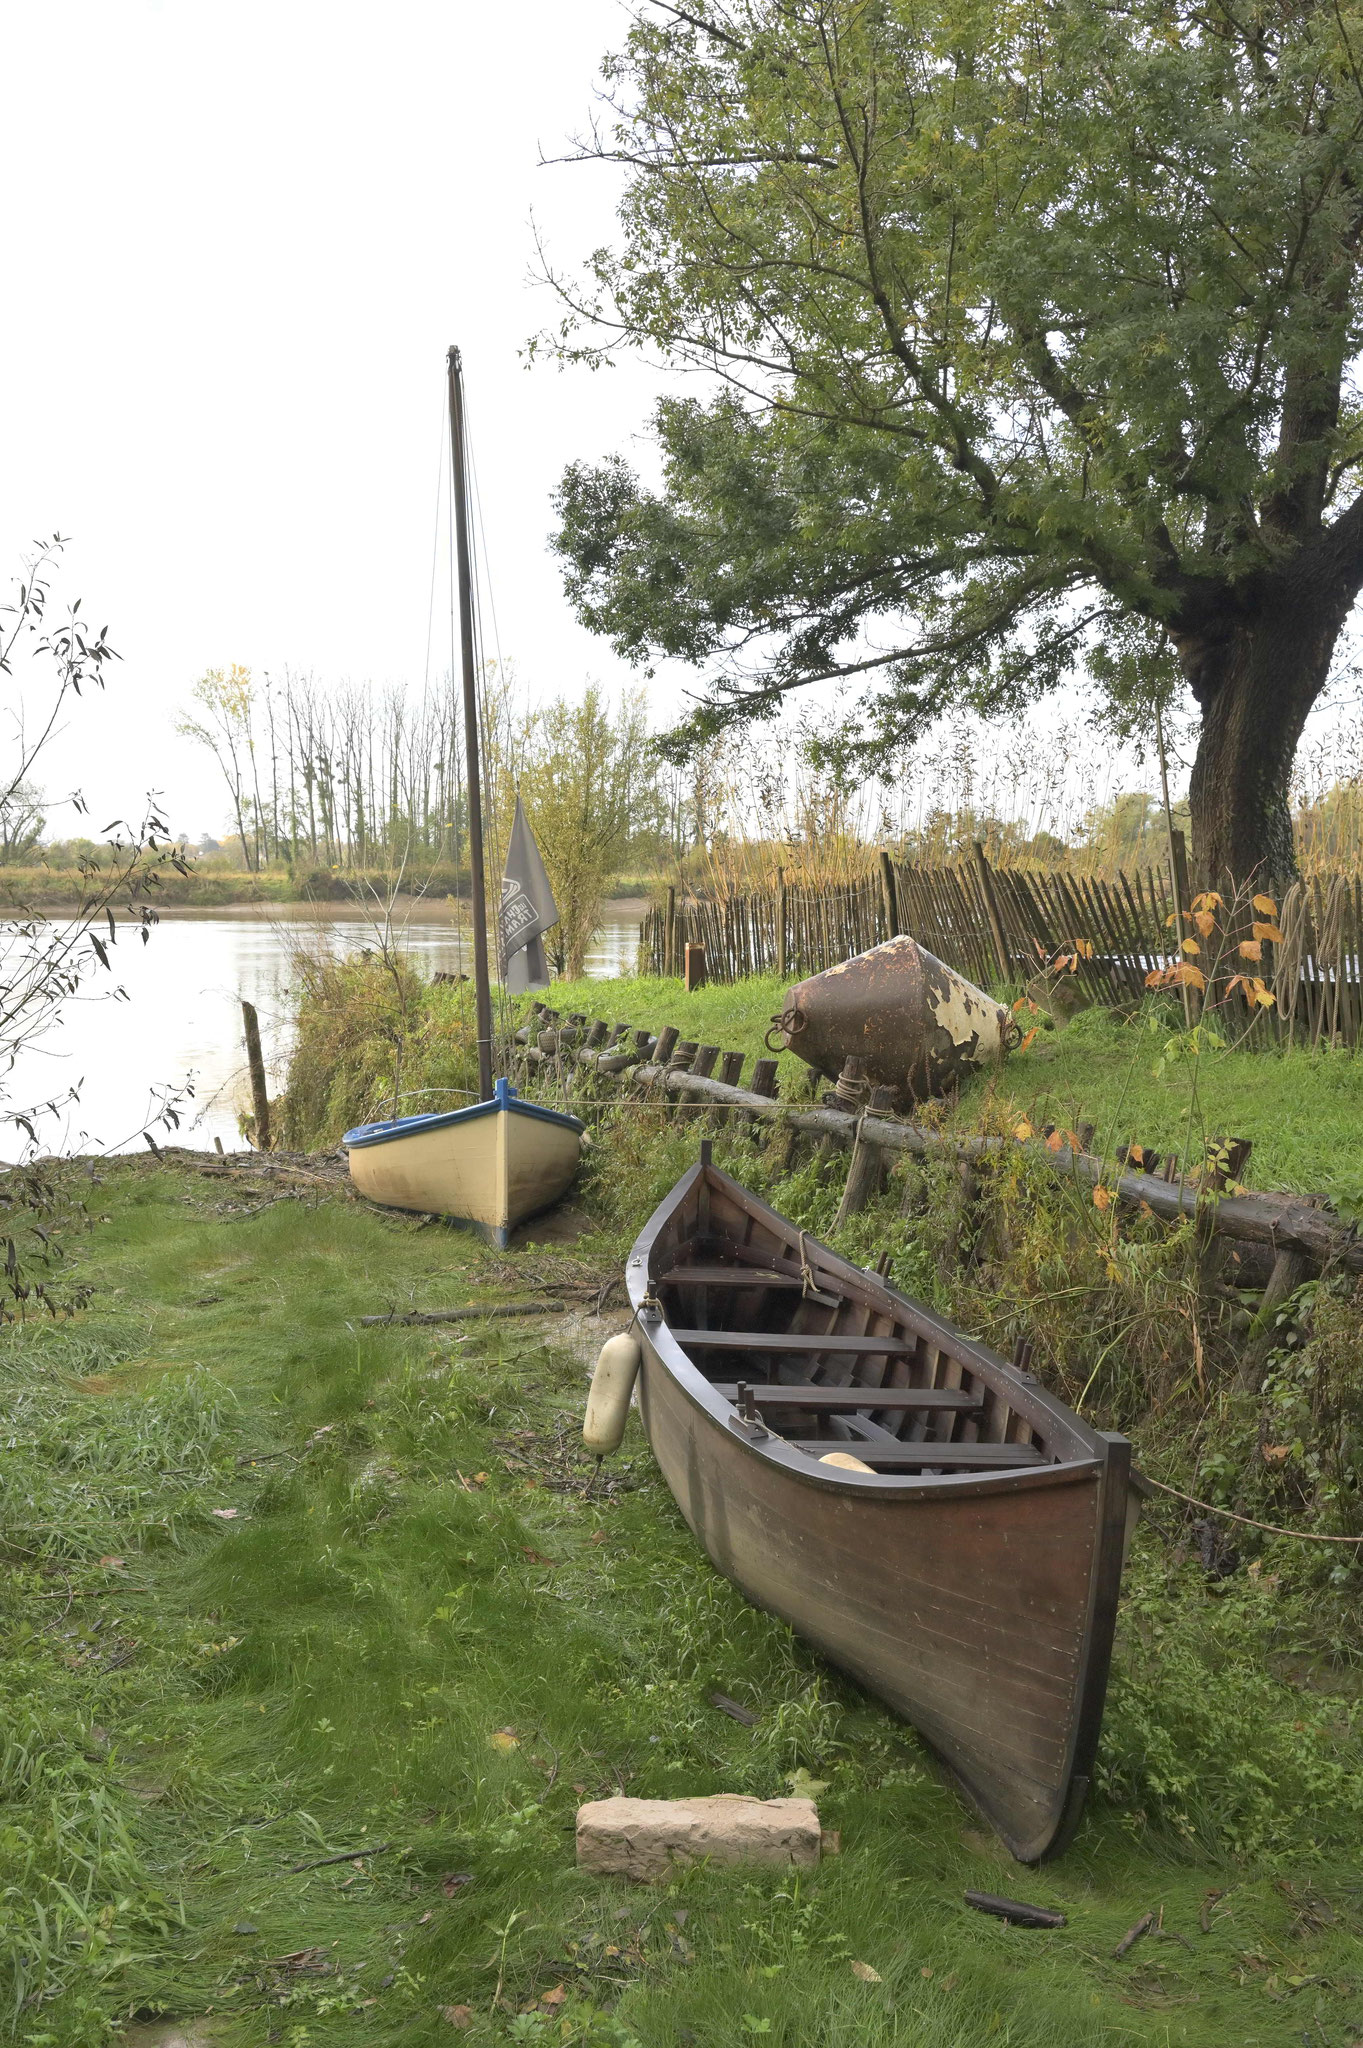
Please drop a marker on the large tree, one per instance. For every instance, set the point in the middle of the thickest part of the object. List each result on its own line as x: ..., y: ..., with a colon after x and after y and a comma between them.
x: 1036, y: 326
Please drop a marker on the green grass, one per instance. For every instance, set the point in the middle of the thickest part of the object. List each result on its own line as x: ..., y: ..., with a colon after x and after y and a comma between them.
x: 1140, y: 1080
x: 419, y: 1626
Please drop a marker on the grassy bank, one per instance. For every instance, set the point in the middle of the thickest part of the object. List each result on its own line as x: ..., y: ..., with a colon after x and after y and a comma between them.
x: 1141, y: 1079
x: 278, y: 1587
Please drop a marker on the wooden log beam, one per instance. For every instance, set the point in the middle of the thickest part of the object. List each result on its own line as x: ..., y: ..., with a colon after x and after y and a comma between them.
x: 1276, y: 1220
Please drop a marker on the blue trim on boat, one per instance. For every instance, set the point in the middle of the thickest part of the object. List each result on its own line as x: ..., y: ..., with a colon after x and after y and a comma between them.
x: 504, y: 1096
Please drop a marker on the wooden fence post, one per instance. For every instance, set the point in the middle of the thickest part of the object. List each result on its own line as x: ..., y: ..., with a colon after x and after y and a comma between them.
x: 696, y: 975
x: 1178, y: 882
x: 991, y: 911
x: 670, y: 934
x: 255, y: 1060
x: 889, y: 893
x: 781, y: 906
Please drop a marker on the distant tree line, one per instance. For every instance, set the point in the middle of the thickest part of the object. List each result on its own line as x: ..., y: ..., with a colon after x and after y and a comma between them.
x: 338, y: 778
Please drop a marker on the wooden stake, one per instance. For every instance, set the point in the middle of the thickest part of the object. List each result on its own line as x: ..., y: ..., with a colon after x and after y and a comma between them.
x: 889, y: 893
x: 865, y: 1176
x: 696, y: 974
x: 781, y: 909
x: 1290, y: 1268
x: 991, y: 911
x: 255, y: 1060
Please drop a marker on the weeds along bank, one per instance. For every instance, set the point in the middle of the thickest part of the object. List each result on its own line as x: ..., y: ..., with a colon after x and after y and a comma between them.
x: 1144, y: 1327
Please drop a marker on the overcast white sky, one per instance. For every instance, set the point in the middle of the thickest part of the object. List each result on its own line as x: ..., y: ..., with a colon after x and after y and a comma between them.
x: 239, y: 239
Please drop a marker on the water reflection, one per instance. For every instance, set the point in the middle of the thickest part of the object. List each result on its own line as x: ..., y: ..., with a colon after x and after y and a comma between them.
x: 181, y: 1018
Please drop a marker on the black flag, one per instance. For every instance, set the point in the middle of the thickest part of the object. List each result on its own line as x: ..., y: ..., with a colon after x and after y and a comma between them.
x: 527, y: 910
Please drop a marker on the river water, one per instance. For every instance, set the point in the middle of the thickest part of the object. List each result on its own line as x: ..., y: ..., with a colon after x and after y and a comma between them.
x: 180, y: 1024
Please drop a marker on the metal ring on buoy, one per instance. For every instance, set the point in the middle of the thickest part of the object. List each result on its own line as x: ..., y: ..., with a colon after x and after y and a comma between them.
x: 791, y: 1022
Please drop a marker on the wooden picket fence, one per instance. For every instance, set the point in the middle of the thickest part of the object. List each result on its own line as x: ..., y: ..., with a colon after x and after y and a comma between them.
x: 1001, y: 926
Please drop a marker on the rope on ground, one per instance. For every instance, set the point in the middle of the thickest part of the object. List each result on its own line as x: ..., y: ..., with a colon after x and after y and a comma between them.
x: 1271, y: 1528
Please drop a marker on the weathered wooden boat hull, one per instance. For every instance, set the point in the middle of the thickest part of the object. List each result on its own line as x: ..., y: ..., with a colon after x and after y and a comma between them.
x: 978, y: 1605
x: 491, y: 1165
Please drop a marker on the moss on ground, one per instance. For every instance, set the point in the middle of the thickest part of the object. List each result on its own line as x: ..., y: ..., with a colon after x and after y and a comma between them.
x: 277, y: 1586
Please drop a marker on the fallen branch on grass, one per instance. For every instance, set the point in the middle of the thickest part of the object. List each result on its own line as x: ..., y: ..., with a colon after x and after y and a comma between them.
x: 1015, y: 1911
x: 345, y: 1856
x: 1133, y: 1935
x: 462, y: 1315
x: 1275, y: 1220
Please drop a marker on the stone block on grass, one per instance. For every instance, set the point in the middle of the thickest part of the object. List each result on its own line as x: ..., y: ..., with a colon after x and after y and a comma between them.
x: 648, y: 1838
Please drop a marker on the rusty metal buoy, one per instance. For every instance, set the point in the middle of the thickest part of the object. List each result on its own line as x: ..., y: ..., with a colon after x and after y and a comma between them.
x: 920, y: 1027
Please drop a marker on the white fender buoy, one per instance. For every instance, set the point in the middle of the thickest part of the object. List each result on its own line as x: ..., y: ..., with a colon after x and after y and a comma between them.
x: 613, y: 1379
x: 844, y: 1461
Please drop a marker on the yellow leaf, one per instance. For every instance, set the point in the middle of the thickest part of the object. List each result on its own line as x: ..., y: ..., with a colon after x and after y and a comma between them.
x: 1023, y: 1131
x: 1027, y: 1039
x: 1191, y: 946
x: 1266, y: 931
x: 1208, y: 900
x: 1265, y: 905
x: 1277, y: 1454
x: 1172, y: 919
x: 1190, y: 976
x: 1055, y: 1143
x: 1102, y: 1198
x: 1250, y: 949
x: 1264, y: 997
x: 1205, y: 922
x: 1155, y: 978
x: 866, y: 1973
x: 504, y: 1739
x: 1084, y: 948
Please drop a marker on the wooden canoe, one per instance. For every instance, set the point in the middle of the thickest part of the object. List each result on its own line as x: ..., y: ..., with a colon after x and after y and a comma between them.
x: 969, y: 1577
x: 491, y: 1165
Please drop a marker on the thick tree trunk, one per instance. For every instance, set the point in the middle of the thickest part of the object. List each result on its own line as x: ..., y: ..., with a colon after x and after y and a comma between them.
x: 1255, y: 677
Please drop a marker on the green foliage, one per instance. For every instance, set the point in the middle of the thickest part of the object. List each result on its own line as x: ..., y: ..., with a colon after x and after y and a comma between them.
x: 1202, y: 1737
x: 583, y: 770
x: 374, y: 1040
x: 1033, y: 326
x: 419, y: 1561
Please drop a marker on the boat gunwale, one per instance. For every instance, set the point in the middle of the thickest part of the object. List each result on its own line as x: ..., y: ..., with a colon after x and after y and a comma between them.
x: 701, y: 1392
x: 396, y: 1128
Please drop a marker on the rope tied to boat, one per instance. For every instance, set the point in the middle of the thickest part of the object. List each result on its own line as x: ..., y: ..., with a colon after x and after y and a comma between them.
x: 1270, y: 1528
x: 808, y: 1284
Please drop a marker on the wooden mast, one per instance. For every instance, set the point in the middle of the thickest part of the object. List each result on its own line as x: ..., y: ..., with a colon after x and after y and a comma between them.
x: 478, y: 906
